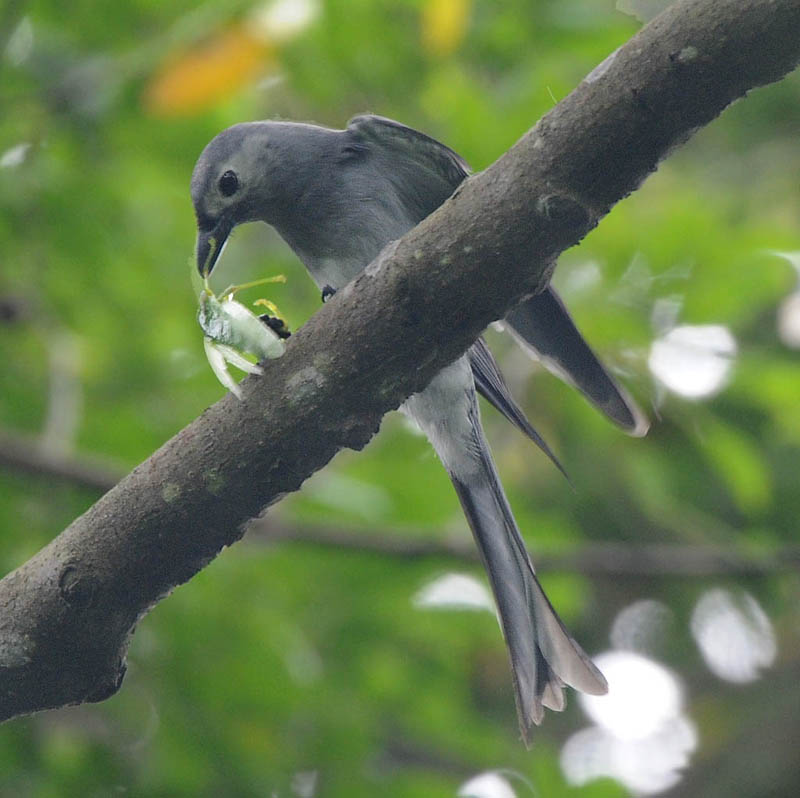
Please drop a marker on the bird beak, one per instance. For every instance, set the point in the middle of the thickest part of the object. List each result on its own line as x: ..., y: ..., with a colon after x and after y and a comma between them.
x: 210, y: 244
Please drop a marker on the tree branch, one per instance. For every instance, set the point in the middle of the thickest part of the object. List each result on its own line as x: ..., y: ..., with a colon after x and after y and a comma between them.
x: 68, y: 613
x: 24, y: 453
x: 591, y: 559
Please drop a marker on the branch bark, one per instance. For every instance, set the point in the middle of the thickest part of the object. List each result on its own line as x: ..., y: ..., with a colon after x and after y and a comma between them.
x: 68, y: 613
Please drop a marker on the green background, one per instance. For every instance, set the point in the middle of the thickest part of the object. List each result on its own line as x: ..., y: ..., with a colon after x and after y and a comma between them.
x: 285, y: 659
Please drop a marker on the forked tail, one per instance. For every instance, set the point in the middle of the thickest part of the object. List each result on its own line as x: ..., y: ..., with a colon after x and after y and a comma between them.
x: 544, y: 657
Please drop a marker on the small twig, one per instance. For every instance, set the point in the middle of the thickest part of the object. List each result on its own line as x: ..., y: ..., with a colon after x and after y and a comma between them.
x: 590, y: 559
x: 27, y: 454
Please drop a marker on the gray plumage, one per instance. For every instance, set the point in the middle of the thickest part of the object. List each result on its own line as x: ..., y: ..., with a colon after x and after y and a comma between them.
x: 337, y: 197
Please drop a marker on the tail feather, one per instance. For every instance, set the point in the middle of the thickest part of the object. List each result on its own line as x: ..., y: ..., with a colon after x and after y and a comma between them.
x: 544, y: 657
x: 491, y: 385
x: 542, y: 325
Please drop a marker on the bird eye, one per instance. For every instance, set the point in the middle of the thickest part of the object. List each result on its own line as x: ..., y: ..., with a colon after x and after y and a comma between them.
x: 228, y: 183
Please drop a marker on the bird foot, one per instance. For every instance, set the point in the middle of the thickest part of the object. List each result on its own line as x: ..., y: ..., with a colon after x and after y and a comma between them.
x: 327, y: 292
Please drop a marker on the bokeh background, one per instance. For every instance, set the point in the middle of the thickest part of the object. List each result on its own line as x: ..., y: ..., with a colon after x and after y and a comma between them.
x: 355, y: 656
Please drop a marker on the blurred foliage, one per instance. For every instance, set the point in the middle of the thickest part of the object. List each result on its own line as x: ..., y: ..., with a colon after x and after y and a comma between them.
x: 281, y: 661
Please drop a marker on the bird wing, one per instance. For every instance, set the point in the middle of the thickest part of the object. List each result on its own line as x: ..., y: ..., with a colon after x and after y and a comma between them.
x: 543, y: 326
x: 405, y: 141
x: 491, y: 385
x: 423, y: 172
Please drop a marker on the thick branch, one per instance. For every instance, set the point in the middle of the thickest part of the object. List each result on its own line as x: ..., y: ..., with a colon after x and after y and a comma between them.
x: 67, y: 614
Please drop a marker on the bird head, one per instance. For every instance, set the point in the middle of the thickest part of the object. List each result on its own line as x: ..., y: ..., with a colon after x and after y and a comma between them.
x: 230, y: 185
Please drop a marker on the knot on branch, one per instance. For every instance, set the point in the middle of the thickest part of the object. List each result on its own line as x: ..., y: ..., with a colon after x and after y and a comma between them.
x: 564, y: 211
x: 76, y: 589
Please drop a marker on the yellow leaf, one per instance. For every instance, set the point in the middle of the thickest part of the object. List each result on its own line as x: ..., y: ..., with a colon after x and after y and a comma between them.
x: 201, y: 77
x: 444, y: 23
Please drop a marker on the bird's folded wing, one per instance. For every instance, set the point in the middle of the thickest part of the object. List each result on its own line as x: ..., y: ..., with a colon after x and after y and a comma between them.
x: 491, y: 386
x: 543, y: 326
x: 421, y: 171
x: 410, y: 144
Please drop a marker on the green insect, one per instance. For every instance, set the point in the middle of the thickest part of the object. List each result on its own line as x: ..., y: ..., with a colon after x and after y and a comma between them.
x: 231, y: 329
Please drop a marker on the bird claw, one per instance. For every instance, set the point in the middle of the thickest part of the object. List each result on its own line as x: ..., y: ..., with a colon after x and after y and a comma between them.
x: 327, y: 292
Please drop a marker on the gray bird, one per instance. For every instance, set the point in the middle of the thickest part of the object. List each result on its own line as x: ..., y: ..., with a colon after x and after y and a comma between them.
x: 337, y: 197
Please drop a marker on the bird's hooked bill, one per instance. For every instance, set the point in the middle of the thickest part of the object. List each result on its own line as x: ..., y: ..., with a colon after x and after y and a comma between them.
x: 210, y: 244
